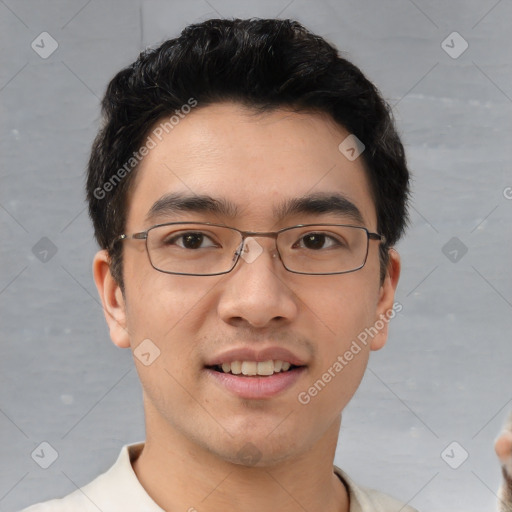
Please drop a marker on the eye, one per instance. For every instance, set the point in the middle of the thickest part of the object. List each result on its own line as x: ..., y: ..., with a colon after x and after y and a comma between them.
x: 317, y: 241
x: 190, y: 240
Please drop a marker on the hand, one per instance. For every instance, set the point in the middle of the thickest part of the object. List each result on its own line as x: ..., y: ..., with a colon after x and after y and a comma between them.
x: 503, y: 447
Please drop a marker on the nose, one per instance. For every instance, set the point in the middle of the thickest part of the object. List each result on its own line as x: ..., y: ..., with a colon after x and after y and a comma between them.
x: 255, y: 292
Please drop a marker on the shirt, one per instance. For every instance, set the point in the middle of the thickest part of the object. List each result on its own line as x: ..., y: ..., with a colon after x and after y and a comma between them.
x: 119, y: 490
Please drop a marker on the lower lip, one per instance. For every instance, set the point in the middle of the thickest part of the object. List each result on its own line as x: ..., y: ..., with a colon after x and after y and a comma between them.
x: 257, y: 387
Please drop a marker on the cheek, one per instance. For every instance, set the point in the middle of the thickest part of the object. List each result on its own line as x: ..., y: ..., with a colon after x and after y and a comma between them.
x: 340, y: 311
x: 342, y: 306
x: 163, y: 318
x: 170, y: 311
x: 159, y: 303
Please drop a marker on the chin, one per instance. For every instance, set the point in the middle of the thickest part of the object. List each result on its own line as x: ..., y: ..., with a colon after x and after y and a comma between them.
x: 253, y: 451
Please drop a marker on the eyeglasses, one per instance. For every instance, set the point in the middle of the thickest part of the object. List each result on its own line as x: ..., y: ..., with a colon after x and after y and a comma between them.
x: 205, y: 249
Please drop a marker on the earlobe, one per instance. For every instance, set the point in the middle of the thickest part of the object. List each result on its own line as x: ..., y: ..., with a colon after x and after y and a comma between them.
x: 112, y: 299
x: 386, y: 307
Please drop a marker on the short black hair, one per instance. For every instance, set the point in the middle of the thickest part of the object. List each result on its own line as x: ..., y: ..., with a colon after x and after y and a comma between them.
x: 263, y: 64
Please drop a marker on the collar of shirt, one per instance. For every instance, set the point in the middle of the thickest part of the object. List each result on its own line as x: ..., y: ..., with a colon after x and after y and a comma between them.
x: 119, y: 489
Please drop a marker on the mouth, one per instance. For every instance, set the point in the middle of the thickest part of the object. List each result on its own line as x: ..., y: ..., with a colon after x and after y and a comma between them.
x: 255, y: 380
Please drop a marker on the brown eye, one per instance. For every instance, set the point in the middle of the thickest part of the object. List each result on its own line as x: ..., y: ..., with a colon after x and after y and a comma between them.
x: 317, y: 241
x: 314, y: 241
x: 190, y: 240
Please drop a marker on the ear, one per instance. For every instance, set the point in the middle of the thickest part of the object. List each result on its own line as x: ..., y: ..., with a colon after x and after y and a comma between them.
x: 112, y: 299
x: 386, y: 309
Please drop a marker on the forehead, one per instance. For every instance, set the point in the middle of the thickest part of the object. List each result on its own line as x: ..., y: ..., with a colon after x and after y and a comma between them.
x: 255, y: 163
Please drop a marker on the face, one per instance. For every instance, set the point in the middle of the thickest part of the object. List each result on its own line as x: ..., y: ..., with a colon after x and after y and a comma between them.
x: 257, y: 164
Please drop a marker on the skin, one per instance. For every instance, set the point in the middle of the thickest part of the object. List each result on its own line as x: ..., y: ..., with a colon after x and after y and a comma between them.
x: 503, y: 447
x: 194, y: 427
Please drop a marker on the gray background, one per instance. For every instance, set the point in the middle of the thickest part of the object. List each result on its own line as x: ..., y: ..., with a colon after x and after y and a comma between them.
x: 444, y: 375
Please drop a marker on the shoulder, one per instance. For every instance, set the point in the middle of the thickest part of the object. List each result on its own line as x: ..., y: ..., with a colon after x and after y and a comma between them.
x: 86, y: 499
x: 116, y: 489
x: 74, y: 502
x: 363, y: 499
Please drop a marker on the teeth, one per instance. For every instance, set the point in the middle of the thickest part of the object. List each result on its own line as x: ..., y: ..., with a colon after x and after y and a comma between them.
x: 265, y: 368
x: 249, y: 368
x: 256, y: 368
x: 236, y: 367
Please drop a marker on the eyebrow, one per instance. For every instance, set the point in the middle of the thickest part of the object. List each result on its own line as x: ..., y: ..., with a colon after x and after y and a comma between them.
x: 173, y: 203
x: 318, y: 203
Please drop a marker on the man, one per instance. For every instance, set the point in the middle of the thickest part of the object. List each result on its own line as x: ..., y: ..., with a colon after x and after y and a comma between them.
x: 246, y: 189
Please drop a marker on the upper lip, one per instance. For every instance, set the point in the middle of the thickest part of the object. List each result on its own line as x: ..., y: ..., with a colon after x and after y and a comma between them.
x: 250, y: 354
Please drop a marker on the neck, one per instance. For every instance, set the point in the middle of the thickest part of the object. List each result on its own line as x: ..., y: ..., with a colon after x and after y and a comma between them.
x: 180, y: 475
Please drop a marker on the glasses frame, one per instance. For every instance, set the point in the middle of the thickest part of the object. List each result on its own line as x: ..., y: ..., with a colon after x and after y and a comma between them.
x: 143, y: 235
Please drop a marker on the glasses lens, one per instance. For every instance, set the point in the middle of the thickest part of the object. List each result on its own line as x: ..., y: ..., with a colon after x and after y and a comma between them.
x: 323, y: 249
x: 195, y: 249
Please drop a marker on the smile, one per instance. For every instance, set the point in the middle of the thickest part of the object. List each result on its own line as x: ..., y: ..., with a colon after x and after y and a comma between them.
x: 251, y: 368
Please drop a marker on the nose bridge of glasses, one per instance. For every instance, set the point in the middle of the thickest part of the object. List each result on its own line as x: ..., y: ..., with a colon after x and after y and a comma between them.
x: 258, y: 234
x: 250, y: 248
